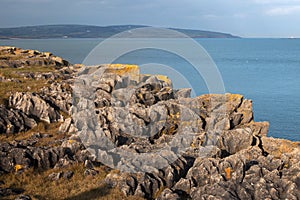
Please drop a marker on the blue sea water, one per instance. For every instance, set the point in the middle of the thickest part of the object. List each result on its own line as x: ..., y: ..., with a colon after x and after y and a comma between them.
x: 264, y: 70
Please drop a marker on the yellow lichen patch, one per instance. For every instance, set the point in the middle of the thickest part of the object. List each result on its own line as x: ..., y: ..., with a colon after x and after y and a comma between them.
x: 227, y: 173
x: 168, y: 131
x: 124, y: 70
x: 71, y: 141
x: 164, y: 79
x: 175, y: 116
x: 18, y: 167
x: 17, y: 51
x: 193, y: 145
x: 233, y: 97
x: 277, y: 147
x: 233, y: 101
x: 221, y: 97
x: 47, y: 54
x: 140, y: 96
x: 286, y: 147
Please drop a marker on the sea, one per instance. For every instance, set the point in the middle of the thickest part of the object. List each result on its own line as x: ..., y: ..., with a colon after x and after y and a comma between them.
x: 267, y: 71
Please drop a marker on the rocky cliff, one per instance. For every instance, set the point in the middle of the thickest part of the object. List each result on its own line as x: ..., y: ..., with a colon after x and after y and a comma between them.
x: 134, y: 134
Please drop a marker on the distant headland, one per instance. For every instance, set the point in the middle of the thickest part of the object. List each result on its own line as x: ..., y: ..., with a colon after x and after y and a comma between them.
x: 87, y: 31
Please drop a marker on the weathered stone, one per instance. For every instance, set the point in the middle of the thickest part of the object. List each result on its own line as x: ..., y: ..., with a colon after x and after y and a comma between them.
x: 34, y: 106
x: 90, y: 172
x: 168, y: 194
x: 68, y: 175
x: 14, y: 121
x: 207, y: 147
x: 64, y: 162
x: 16, y: 57
x: 88, y: 164
x: 66, y: 126
x: 183, y: 93
x: 59, y: 95
x: 233, y: 141
x: 55, y: 176
x: 183, y: 185
x: 23, y: 197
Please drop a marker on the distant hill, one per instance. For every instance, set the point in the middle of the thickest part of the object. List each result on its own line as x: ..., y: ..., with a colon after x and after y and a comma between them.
x: 85, y: 31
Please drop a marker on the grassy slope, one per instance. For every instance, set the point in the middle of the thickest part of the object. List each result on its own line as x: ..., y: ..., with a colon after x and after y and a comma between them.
x: 21, y: 84
x: 38, y: 185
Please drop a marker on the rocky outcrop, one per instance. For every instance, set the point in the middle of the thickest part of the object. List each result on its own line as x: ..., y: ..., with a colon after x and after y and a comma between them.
x: 34, y: 106
x: 220, y: 153
x: 16, y: 58
x: 25, y: 110
x: 59, y: 95
x: 21, y: 155
x: 45, y: 80
x: 162, y: 143
x: 14, y: 121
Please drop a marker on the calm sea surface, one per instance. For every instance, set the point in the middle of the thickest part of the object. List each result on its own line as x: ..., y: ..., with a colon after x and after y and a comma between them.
x: 264, y: 70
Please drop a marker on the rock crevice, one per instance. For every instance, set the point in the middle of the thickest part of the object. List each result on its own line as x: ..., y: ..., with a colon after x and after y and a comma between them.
x: 162, y: 143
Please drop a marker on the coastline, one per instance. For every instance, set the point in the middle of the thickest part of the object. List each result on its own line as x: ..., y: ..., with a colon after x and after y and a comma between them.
x: 38, y: 134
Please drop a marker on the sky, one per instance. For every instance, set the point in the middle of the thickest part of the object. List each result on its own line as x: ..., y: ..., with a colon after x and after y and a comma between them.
x: 245, y: 18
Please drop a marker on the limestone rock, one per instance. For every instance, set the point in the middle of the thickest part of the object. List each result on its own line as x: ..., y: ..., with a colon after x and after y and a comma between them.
x: 233, y: 141
x: 183, y: 93
x: 67, y: 126
x: 59, y: 96
x: 23, y: 197
x: 162, y: 143
x: 19, y: 156
x: 168, y: 194
x: 34, y: 106
x: 16, y: 57
x: 55, y: 176
x: 68, y: 175
x: 14, y: 121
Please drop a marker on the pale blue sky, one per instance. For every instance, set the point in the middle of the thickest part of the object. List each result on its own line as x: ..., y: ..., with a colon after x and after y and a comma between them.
x: 246, y: 18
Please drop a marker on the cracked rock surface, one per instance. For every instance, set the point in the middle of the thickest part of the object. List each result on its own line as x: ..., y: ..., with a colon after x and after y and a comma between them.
x: 162, y: 143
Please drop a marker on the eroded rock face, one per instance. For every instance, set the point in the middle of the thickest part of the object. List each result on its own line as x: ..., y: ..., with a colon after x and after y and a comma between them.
x: 34, y: 106
x: 58, y: 95
x: 222, y: 156
x: 164, y: 144
x: 14, y: 121
x: 20, y: 155
x: 16, y: 57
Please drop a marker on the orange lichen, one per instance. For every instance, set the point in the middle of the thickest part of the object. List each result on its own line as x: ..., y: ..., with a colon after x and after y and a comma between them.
x: 164, y: 79
x: 232, y: 97
x: 227, y: 173
x: 124, y: 70
x: 71, y: 141
x: 18, y: 167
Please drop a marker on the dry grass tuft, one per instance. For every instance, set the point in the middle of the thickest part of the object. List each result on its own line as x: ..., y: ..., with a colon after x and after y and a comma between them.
x: 19, y: 83
x: 39, y: 186
x: 51, y: 130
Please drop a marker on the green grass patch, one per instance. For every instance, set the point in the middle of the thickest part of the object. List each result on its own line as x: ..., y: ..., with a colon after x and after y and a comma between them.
x: 29, y: 85
x: 19, y: 83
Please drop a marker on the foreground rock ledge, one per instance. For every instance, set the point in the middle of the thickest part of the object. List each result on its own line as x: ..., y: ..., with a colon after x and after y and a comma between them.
x: 140, y: 114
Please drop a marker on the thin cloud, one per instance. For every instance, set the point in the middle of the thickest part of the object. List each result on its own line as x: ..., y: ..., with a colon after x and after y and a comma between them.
x: 281, y: 2
x: 286, y: 10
